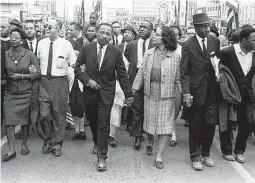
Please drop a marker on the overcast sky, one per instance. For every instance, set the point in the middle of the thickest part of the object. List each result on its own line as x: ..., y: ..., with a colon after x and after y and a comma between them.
x: 108, y: 3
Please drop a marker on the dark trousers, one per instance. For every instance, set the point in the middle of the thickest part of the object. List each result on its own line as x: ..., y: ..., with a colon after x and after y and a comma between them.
x: 225, y: 140
x: 245, y: 123
x: 138, y: 112
x: 53, y: 96
x: 202, y: 128
x: 99, y: 118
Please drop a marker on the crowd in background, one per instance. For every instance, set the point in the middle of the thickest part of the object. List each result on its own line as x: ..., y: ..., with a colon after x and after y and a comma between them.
x: 148, y: 101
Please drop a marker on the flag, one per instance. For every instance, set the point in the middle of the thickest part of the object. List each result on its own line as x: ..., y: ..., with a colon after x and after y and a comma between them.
x: 98, y: 10
x: 232, y: 16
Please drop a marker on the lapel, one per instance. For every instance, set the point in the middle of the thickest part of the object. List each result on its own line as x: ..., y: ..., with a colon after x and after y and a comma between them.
x: 209, y: 46
x: 235, y: 58
x: 94, y: 53
x: 25, y: 44
x: 197, y: 45
x: 150, y: 44
x: 151, y: 55
x: 106, y: 55
x: 253, y: 59
x: 135, y: 43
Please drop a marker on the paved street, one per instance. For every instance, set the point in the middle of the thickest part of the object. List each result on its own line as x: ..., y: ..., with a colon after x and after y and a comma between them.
x: 77, y: 164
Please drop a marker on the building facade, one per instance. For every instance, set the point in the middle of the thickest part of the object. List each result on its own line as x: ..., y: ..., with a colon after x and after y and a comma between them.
x: 11, y: 10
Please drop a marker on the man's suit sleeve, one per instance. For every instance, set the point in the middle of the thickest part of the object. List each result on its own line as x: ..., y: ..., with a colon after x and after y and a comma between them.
x: 82, y: 76
x: 185, y: 70
x: 123, y: 76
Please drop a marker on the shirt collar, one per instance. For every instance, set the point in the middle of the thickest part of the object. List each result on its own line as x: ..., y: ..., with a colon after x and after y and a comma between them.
x: 33, y: 41
x: 104, y: 47
x: 238, y: 49
x: 200, y: 39
x: 5, y: 38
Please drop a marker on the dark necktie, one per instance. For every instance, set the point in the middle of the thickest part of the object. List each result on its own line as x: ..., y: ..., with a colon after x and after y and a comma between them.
x: 117, y: 42
x: 50, y: 60
x: 144, y: 49
x: 31, y: 46
x: 99, y: 56
x: 204, y: 48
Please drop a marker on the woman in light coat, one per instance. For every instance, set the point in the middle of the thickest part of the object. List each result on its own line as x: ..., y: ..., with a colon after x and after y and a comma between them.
x: 160, y: 75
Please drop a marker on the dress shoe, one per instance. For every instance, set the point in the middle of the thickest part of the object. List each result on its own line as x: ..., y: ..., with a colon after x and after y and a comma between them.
x: 76, y: 136
x: 197, y: 165
x: 137, y: 145
x: 173, y: 143
x: 208, y: 161
x: 9, y: 157
x: 24, y: 150
x: 94, y: 151
x: 57, y: 152
x: 46, y: 148
x: 83, y: 136
x: 101, y: 166
x: 229, y: 157
x: 112, y: 142
x: 159, y: 164
x: 239, y: 158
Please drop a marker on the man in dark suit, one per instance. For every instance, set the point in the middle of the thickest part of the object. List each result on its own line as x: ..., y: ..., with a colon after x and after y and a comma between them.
x: 5, y: 45
x: 200, y: 90
x: 240, y: 60
x: 102, y: 62
x: 31, y: 43
x: 134, y: 53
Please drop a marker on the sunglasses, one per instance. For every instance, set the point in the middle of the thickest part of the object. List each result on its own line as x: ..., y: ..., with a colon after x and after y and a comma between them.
x: 48, y: 26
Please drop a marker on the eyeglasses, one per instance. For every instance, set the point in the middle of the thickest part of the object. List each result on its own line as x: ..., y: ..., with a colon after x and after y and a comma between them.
x: 157, y: 34
x: 144, y: 27
x: 48, y: 26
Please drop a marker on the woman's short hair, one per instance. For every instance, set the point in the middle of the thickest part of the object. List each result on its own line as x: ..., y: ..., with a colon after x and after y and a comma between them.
x: 169, y: 38
x: 21, y: 32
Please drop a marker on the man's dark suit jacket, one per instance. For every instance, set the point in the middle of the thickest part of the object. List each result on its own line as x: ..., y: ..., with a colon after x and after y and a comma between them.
x: 79, y: 42
x: 112, y: 63
x: 132, y: 55
x: 74, y: 44
x: 197, y: 73
x: 229, y: 59
x: 26, y: 46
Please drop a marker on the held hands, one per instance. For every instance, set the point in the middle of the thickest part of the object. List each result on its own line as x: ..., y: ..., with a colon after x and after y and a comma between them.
x: 129, y: 101
x: 93, y: 85
x: 188, y: 100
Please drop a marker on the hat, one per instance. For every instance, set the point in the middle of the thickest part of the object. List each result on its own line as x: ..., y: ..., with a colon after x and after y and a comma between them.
x: 247, y: 26
x: 214, y: 29
x: 129, y: 27
x: 201, y: 18
x: 16, y: 22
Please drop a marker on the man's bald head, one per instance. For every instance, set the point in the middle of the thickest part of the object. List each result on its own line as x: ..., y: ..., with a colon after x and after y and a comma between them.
x: 5, y: 29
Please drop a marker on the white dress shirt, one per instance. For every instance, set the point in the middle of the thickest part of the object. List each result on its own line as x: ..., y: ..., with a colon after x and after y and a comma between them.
x: 33, y: 44
x: 140, y: 51
x: 200, y: 41
x: 244, y: 60
x: 63, y: 56
x: 103, y: 53
x: 119, y: 37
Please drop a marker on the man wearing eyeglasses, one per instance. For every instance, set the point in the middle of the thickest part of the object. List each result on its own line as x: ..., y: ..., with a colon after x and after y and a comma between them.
x: 117, y: 37
x: 134, y: 53
x: 55, y: 55
x: 102, y: 61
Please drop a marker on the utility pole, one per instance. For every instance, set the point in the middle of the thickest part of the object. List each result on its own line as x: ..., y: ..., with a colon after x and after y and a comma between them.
x: 64, y: 11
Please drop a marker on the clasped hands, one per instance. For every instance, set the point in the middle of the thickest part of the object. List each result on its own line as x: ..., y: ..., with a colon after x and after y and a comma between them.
x: 187, y: 100
x: 19, y: 76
